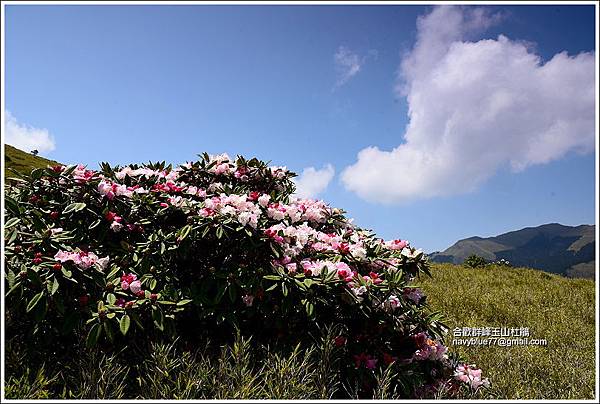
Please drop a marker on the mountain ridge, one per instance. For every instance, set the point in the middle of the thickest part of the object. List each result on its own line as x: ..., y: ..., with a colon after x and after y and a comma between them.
x: 552, y: 247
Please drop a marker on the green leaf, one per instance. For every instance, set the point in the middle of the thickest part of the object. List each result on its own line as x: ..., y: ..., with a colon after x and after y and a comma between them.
x: 232, y: 292
x: 74, y: 207
x: 11, y: 205
x: 54, y: 287
x: 112, y: 273
x: 10, y: 277
x: 93, y: 335
x: 310, y: 308
x: 284, y: 289
x: 13, y: 237
x: 111, y: 298
x: 184, y: 301
x: 159, y: 319
x: 34, y: 301
x: 11, y: 222
x: 66, y: 272
x: 124, y: 324
x: 185, y: 230
x: 69, y: 323
x: 95, y: 224
x: 108, y: 330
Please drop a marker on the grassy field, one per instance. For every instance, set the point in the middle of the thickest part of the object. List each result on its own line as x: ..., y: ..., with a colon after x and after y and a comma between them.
x: 21, y: 161
x: 554, y: 308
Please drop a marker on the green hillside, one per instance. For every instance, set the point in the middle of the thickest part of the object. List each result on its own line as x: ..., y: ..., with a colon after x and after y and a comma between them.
x: 554, y: 308
x: 555, y: 248
x: 21, y: 161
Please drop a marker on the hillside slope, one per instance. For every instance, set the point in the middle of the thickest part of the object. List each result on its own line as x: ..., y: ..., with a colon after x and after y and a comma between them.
x: 21, y: 161
x: 554, y: 308
x: 564, y: 250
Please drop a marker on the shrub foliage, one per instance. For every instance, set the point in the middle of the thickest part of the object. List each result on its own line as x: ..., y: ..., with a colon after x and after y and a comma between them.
x: 133, y: 255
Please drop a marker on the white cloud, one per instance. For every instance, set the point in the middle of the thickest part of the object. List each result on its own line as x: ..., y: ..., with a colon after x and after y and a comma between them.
x: 25, y: 137
x: 312, y: 182
x: 475, y: 107
x: 347, y: 65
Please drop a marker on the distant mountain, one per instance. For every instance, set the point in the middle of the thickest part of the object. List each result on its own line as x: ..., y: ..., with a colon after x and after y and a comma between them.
x: 564, y: 250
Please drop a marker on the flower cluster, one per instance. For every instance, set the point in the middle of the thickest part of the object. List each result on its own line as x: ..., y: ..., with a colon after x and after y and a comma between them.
x: 83, y: 259
x: 470, y: 375
x: 429, y: 349
x: 211, y: 246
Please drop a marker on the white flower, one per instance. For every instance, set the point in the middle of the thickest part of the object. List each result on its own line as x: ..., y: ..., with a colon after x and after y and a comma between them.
x: 244, y: 218
x: 359, y: 291
x: 263, y: 200
x: 358, y: 252
x: 103, y: 262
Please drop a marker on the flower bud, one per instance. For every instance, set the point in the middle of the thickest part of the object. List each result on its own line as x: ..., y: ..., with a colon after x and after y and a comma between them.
x: 83, y: 300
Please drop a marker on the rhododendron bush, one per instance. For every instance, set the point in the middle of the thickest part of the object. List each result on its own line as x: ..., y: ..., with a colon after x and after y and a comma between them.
x: 136, y: 253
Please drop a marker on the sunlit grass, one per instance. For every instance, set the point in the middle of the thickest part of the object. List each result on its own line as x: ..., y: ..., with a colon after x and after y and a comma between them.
x: 554, y: 308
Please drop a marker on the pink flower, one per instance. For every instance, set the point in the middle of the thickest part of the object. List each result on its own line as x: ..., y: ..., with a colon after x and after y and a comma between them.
x: 222, y: 168
x: 470, y: 375
x: 263, y: 200
x: 135, y: 287
x: 205, y: 212
x: 339, y: 341
x: 292, y: 267
x: 389, y: 359
x: 102, y: 263
x: 371, y: 363
x: 343, y: 248
x: 413, y: 294
x: 363, y: 359
x: 63, y: 256
x: 248, y: 300
x: 344, y: 273
x: 106, y: 189
x: 360, y: 359
x: 127, y: 280
x: 396, y: 244
x: 113, y: 217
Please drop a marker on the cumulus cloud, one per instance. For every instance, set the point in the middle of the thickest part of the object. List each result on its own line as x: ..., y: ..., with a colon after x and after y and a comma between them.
x: 475, y: 107
x: 312, y: 181
x: 25, y: 137
x: 347, y: 65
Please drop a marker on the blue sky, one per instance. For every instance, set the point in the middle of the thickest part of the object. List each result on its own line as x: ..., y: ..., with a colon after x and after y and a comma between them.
x: 136, y: 83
